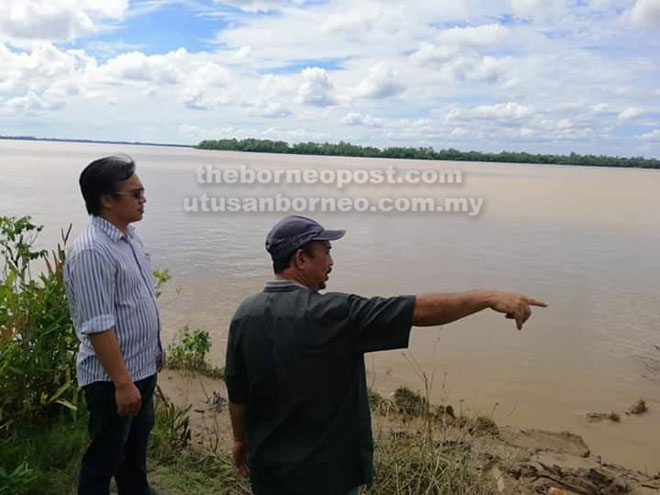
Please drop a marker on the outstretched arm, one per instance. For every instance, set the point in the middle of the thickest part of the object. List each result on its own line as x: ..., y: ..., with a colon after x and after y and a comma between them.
x: 439, y: 309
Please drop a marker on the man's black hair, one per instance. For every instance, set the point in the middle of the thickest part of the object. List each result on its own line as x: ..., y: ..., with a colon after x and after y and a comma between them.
x: 281, y: 264
x: 104, y: 176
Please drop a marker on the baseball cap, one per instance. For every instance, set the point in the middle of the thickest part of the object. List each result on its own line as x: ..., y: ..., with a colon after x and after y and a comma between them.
x: 294, y: 231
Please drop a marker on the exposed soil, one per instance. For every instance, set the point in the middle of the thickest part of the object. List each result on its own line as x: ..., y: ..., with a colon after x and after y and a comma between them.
x: 521, y: 461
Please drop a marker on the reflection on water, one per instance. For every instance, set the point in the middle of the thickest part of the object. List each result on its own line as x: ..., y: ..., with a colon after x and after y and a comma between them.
x: 583, y: 239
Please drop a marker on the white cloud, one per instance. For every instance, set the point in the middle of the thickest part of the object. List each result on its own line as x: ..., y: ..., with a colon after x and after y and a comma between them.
x: 475, y: 37
x: 651, y: 136
x: 403, y: 125
x: 114, y: 48
x: 381, y: 82
x: 630, y: 113
x: 538, y: 8
x: 194, y: 98
x: 460, y: 65
x: 458, y: 48
x: 429, y: 53
x: 459, y: 132
x: 353, y: 118
x: 138, y: 67
x: 351, y: 22
x: 40, y: 67
x: 317, y: 88
x: 32, y: 102
x: 197, y: 132
x: 506, y: 111
x: 205, y: 86
x: 260, y: 5
x: 56, y: 20
x: 209, y: 74
x: 601, y: 108
x: 482, y: 69
x: 646, y: 12
x: 275, y: 86
x: 357, y: 119
x: 509, y: 111
x: 270, y: 110
x: 243, y: 53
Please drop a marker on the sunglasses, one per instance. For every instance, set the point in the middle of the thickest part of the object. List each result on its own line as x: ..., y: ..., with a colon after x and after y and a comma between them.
x: 136, y: 193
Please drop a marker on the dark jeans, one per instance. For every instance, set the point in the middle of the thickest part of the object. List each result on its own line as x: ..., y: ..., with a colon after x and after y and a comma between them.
x: 118, y: 445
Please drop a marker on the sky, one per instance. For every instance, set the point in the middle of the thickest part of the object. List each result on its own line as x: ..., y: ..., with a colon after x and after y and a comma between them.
x: 544, y: 76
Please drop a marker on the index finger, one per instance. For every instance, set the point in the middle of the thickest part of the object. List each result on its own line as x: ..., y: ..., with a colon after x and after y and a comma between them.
x: 519, y: 319
x: 535, y: 302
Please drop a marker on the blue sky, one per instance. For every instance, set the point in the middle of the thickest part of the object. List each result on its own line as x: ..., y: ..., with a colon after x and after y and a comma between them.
x: 550, y: 76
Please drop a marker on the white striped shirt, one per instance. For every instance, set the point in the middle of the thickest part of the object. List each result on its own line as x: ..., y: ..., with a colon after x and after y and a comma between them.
x: 109, y: 283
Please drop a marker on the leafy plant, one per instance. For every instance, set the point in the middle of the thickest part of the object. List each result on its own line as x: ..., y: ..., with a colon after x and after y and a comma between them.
x: 171, y: 434
x: 189, y: 350
x: 37, y: 340
x: 161, y: 277
x: 17, y: 481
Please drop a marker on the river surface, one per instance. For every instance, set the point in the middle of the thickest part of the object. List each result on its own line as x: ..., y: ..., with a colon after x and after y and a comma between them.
x: 583, y: 239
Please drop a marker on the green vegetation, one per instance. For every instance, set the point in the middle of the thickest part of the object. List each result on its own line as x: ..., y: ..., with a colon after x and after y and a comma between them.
x: 417, y: 465
x: 423, y: 451
x: 39, y: 398
x: 423, y: 153
x: 43, y: 428
x: 44, y: 459
x: 47, y: 454
x: 178, y: 469
x: 188, y: 352
x: 37, y: 341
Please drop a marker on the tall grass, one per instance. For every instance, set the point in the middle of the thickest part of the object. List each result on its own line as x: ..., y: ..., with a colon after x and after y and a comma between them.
x: 48, y: 456
x: 423, y: 451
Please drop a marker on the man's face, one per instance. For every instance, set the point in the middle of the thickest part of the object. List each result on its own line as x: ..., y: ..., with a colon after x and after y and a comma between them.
x: 128, y: 204
x: 319, y: 265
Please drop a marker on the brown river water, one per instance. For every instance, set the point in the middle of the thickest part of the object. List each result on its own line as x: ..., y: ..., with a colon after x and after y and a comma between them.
x: 583, y: 239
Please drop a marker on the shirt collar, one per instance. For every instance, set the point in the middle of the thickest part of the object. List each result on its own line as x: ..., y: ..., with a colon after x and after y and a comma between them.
x: 110, y: 230
x: 281, y: 285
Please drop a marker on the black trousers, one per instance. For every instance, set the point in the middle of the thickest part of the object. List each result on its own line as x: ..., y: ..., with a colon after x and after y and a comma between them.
x: 118, y: 445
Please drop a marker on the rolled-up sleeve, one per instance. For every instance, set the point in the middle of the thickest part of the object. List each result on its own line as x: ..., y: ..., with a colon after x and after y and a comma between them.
x: 91, y: 283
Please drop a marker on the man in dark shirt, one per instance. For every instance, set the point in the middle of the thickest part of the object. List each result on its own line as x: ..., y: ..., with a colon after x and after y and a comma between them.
x: 295, y: 367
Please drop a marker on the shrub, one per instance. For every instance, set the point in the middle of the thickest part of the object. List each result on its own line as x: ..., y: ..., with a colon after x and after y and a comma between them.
x: 189, y: 350
x: 37, y: 340
x: 171, y: 434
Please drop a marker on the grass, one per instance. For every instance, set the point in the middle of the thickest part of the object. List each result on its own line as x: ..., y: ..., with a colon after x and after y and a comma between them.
x: 414, y: 454
x: 417, y: 466
x: 419, y: 451
x: 44, y: 459
x: 195, y: 473
x: 51, y: 453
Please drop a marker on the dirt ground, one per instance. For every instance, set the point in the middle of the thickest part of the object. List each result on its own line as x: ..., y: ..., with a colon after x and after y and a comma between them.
x: 521, y: 461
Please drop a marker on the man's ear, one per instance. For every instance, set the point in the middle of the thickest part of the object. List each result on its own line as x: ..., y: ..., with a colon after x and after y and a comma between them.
x: 298, y: 258
x: 107, y: 200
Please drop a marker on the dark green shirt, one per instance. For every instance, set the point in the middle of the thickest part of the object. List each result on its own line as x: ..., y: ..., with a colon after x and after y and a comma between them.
x: 296, y: 358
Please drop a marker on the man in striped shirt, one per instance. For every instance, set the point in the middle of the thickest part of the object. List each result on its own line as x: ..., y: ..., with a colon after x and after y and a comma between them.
x: 113, y: 306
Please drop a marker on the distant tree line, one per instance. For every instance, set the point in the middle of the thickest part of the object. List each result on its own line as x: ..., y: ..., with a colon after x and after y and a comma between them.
x: 99, y: 141
x: 422, y: 153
